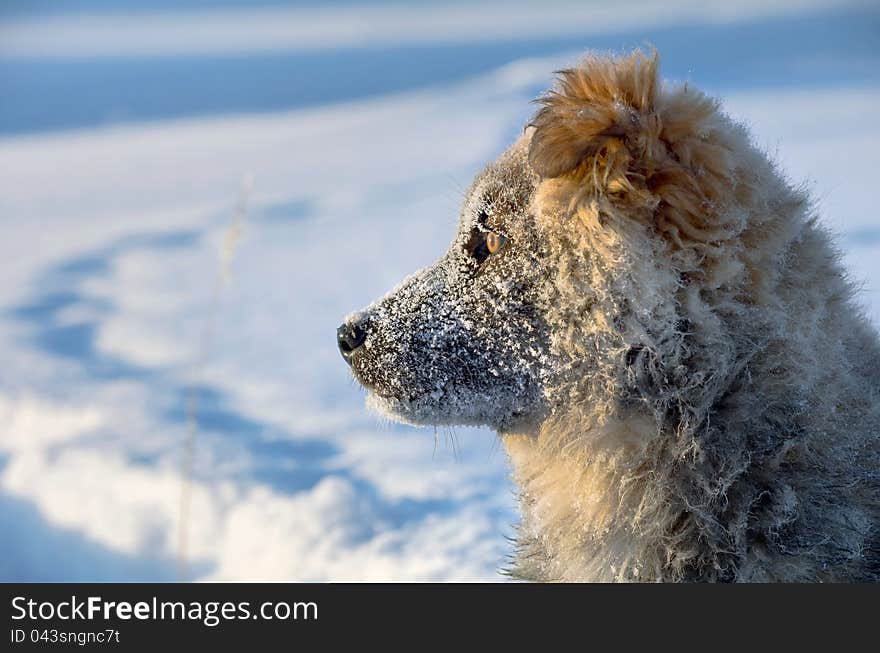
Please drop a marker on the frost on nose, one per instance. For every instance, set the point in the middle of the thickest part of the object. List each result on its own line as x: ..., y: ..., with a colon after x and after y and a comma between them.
x: 446, y: 346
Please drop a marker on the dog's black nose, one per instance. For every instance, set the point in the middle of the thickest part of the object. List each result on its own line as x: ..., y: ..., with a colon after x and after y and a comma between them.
x: 348, y: 338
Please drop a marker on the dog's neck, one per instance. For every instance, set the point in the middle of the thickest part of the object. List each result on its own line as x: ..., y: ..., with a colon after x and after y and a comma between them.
x: 580, y: 496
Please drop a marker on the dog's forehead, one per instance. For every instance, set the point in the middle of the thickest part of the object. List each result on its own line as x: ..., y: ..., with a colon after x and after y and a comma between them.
x: 504, y: 188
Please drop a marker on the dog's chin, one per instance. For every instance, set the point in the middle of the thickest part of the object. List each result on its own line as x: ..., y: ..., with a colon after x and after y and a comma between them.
x: 414, y: 411
x: 427, y: 411
x: 397, y: 410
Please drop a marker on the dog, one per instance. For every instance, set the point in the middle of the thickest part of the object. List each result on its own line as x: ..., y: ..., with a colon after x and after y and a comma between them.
x: 659, y: 329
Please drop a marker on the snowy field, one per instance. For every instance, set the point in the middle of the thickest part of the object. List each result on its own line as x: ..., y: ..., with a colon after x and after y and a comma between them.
x: 191, y: 201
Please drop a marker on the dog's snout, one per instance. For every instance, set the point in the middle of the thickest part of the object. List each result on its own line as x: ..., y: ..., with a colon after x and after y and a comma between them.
x: 349, y: 337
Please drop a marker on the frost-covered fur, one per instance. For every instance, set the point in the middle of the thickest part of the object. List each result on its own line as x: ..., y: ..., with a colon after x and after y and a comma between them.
x: 666, y: 343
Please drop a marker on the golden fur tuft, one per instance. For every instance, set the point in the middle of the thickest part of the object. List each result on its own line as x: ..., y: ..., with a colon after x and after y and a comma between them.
x: 608, y: 130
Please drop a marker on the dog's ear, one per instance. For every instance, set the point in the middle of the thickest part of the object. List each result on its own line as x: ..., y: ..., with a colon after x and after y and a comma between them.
x: 594, y: 106
x: 665, y: 158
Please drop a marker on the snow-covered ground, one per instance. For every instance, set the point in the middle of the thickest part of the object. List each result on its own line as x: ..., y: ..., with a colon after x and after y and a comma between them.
x: 171, y: 283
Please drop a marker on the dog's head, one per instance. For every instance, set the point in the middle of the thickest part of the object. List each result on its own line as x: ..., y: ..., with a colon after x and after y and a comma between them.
x: 463, y: 341
x: 541, y: 284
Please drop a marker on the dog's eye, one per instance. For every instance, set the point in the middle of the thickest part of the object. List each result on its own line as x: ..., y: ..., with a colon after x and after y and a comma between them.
x: 485, y: 243
x: 494, y: 241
